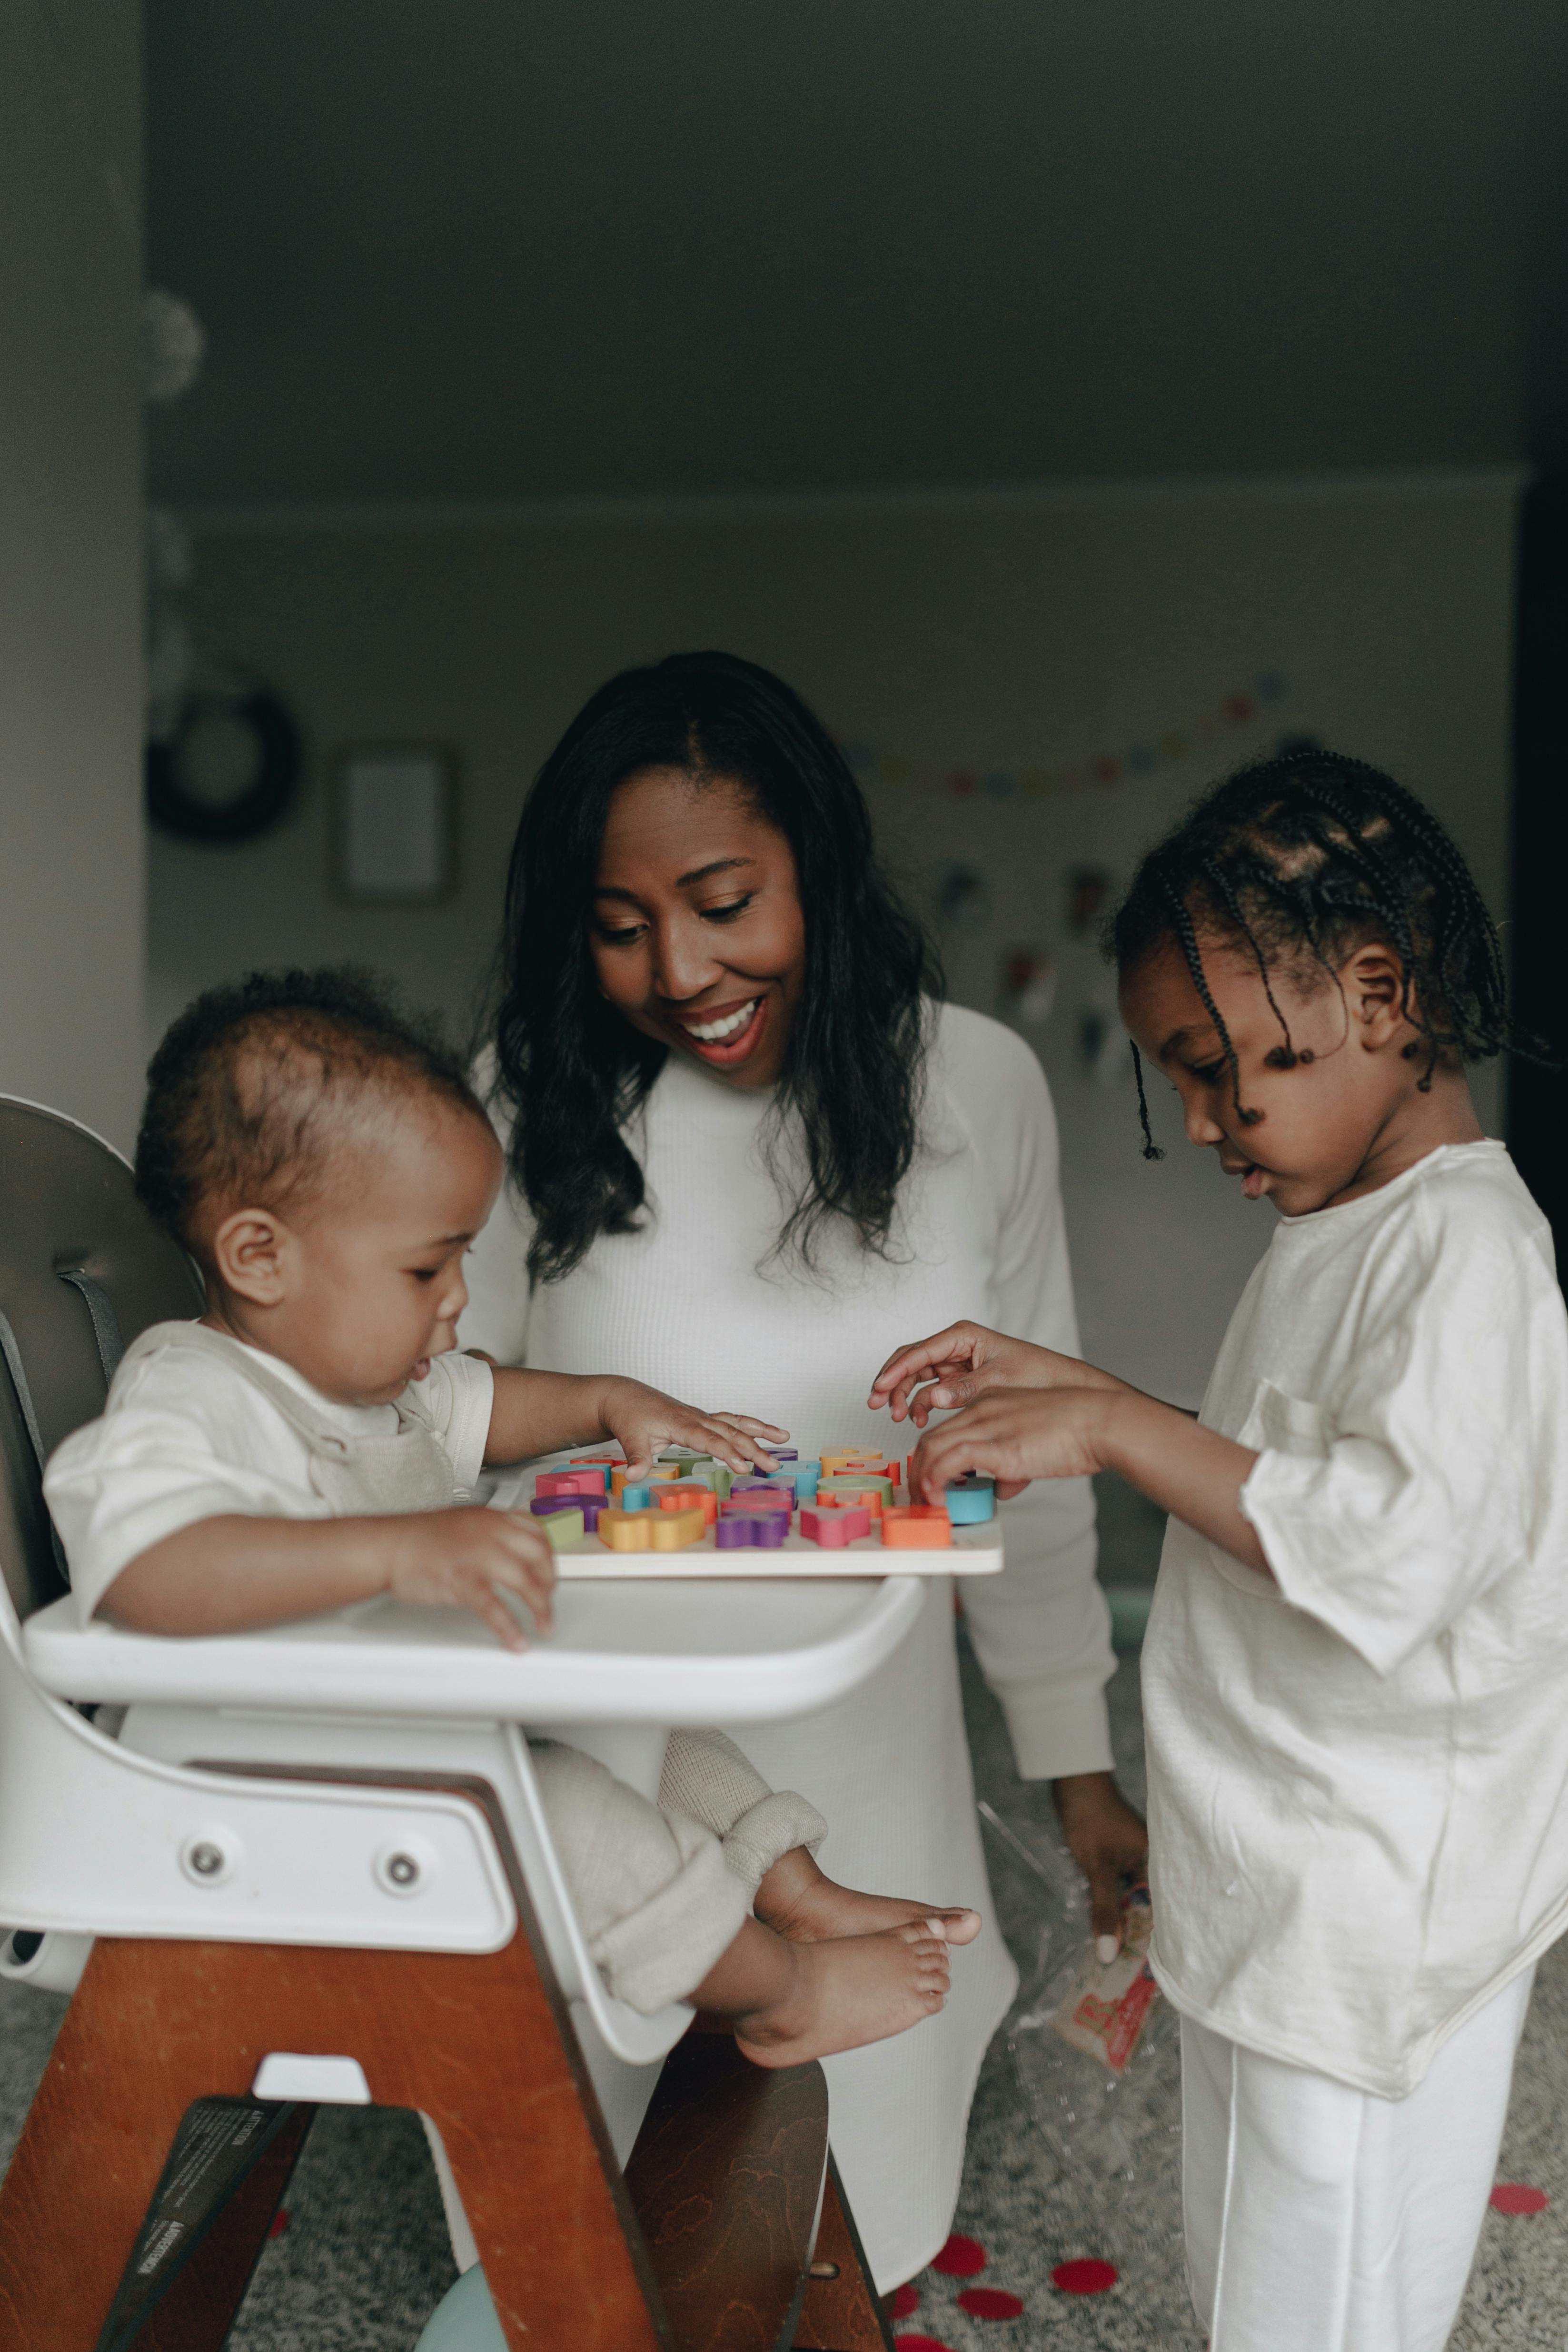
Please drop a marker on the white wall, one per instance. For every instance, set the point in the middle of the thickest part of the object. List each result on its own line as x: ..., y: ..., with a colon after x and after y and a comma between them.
x: 72, y: 849
x: 986, y: 631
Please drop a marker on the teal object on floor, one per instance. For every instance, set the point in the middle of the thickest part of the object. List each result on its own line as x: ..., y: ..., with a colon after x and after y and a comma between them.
x: 970, y: 1500
x: 464, y: 2319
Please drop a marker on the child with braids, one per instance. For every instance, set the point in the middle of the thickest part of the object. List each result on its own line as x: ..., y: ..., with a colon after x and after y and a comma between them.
x: 1355, y: 1676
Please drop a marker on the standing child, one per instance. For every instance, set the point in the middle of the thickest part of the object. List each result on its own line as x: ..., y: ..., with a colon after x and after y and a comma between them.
x: 1355, y: 1674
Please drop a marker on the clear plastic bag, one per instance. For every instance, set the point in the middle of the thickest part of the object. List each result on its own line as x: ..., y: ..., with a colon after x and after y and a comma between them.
x: 1115, y: 2124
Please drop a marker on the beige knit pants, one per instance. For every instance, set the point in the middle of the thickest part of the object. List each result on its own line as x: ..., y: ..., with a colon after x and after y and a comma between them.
x: 660, y: 1891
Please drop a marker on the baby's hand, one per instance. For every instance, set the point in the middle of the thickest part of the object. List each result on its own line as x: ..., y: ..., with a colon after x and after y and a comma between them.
x: 467, y: 1559
x: 1014, y: 1435
x: 962, y: 1363
x: 643, y: 1419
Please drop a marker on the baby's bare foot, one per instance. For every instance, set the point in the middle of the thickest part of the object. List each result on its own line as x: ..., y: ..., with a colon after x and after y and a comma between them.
x: 846, y: 1992
x: 810, y: 1908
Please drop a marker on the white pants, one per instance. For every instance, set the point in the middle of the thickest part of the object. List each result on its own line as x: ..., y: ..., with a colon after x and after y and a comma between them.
x: 1319, y: 2219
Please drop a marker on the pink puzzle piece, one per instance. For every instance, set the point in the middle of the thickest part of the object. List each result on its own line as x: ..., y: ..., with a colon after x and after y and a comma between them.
x: 585, y: 1481
x: 834, y: 1525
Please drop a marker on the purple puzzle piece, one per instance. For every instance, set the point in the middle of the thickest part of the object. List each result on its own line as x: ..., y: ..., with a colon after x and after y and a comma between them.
x: 738, y: 1530
x: 589, y: 1504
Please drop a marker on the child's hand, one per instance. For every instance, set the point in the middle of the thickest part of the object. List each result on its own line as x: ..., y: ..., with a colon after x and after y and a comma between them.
x: 644, y: 1420
x: 467, y: 1559
x: 962, y: 1363
x: 1014, y: 1435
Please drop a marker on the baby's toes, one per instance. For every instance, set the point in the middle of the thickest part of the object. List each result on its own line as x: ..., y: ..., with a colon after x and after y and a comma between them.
x: 959, y: 1926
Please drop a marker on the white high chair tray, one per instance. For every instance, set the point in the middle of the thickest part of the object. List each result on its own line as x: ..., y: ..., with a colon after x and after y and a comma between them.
x: 625, y: 1649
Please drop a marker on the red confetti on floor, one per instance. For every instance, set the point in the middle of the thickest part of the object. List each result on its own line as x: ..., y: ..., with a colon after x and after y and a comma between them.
x: 1084, y: 2277
x: 279, y: 2222
x: 902, y: 2300
x: 990, y: 2302
x: 961, y: 2258
x: 1518, y: 2197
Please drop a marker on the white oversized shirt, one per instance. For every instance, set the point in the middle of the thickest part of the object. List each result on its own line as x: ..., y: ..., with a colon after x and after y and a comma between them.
x: 184, y: 1436
x: 1358, y: 1770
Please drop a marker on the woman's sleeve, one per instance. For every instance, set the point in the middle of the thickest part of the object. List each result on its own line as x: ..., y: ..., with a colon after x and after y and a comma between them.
x: 1041, y: 1629
x: 495, y: 1271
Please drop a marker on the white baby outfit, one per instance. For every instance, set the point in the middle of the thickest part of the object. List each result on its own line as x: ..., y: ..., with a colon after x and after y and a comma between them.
x: 198, y: 1425
x: 1358, y: 1768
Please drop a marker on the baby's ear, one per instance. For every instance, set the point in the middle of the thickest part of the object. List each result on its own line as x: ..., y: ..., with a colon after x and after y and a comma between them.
x: 249, y: 1251
x: 1373, y: 978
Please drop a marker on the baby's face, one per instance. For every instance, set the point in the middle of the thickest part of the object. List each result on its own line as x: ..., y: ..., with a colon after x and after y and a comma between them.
x: 375, y: 1278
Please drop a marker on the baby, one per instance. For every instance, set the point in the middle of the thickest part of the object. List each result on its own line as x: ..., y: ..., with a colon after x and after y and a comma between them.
x: 314, y: 1440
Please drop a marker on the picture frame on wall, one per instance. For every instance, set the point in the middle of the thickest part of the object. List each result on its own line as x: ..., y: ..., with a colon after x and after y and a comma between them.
x: 394, y: 824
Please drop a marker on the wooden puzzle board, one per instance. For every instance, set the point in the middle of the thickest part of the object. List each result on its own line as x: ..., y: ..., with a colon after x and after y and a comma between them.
x: 974, y: 1551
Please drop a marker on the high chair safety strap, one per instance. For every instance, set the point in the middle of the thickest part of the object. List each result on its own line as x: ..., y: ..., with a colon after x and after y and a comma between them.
x: 105, y: 1322
x: 18, y: 1369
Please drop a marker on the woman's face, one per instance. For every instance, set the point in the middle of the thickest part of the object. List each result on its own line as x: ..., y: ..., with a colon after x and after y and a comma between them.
x: 696, y: 923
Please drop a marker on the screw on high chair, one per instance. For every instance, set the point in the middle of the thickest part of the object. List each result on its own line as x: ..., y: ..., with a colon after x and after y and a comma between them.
x: 340, y: 1899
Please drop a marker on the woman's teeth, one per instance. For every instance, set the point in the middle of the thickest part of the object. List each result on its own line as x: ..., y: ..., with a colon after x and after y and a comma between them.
x: 714, y: 1033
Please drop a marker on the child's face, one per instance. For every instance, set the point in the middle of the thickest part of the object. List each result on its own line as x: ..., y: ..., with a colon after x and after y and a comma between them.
x: 364, y: 1284
x: 1321, y: 1125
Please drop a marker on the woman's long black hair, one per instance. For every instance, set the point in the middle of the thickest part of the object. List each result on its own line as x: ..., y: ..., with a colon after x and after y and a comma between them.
x: 572, y: 1071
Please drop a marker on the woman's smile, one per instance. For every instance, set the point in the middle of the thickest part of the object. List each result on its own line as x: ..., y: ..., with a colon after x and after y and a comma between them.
x: 726, y: 1034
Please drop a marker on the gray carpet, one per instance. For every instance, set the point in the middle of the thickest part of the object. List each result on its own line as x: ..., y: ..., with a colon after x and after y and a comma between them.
x: 365, y: 2258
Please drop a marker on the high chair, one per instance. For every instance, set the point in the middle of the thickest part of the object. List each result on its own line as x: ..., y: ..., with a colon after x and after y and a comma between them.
x: 310, y: 1866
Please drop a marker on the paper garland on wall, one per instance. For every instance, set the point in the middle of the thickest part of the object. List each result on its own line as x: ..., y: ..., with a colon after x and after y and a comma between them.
x: 1241, y: 707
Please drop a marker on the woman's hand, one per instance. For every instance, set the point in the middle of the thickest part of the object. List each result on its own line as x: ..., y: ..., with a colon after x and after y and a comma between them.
x: 468, y: 1557
x: 1106, y: 1839
x: 962, y: 1363
x: 642, y: 1420
x: 1014, y: 1435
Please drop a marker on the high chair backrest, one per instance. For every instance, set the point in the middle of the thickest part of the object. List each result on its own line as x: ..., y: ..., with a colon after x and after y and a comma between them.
x: 83, y: 1269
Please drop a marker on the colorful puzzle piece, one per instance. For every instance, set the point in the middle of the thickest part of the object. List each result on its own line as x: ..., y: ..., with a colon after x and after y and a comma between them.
x: 688, y: 1495
x: 918, y: 1526
x: 834, y: 1523
x: 588, y: 1507
x: 646, y: 1530
x: 875, y: 1496
x: 739, y: 1530
x: 587, y: 1479
x: 970, y: 1500
x: 564, y: 1530
x: 759, y: 1493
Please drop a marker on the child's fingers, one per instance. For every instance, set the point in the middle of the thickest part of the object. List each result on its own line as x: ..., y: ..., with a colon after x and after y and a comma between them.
x: 732, y: 1445
x: 907, y: 1365
x: 749, y: 1428
x: 490, y: 1609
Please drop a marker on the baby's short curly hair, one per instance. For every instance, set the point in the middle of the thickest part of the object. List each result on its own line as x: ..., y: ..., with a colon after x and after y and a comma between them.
x: 248, y: 1089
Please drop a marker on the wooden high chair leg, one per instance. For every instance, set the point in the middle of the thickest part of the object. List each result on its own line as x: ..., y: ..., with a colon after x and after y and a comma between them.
x: 842, y: 2311
x: 472, y: 2042
x: 482, y: 2044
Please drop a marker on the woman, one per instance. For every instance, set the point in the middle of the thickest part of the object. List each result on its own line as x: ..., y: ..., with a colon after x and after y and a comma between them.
x: 749, y: 1155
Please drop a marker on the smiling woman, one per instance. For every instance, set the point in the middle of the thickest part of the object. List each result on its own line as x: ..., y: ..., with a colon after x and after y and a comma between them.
x: 750, y: 1153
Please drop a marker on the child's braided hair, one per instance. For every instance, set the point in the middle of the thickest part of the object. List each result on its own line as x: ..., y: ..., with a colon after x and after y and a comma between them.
x: 1313, y: 854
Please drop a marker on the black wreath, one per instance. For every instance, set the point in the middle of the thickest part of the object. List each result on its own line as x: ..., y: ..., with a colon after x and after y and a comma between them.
x: 270, y: 798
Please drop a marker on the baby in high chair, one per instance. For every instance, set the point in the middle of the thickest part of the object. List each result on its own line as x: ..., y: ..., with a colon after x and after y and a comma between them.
x: 314, y: 1440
